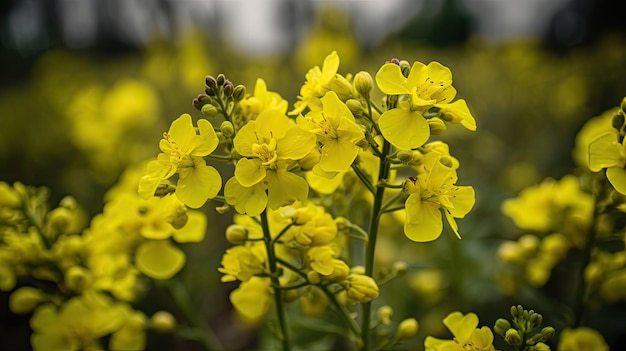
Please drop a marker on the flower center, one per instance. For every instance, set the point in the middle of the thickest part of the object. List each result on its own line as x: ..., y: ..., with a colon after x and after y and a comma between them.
x: 266, y: 152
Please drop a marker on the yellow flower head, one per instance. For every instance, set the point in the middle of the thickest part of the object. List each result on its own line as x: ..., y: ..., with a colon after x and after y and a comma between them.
x: 262, y: 100
x: 182, y: 152
x: 318, y: 82
x: 467, y: 335
x: 606, y: 151
x: 243, y: 262
x: 582, y: 339
x: 427, y: 87
x: 431, y: 192
x: 337, y: 134
x: 268, y: 145
x: 252, y: 299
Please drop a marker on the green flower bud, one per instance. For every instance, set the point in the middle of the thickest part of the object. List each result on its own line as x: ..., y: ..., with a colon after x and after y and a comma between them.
x: 236, y: 234
x: 437, y: 126
x: 512, y: 337
x: 163, y: 322
x: 239, y: 93
x: 623, y: 105
x: 405, y: 156
x: 405, y: 67
x: 392, y: 101
x: 221, y: 78
x: 180, y: 218
x: 407, y: 329
x: 618, y: 120
x: 209, y: 110
x: 501, y: 326
x: 547, y: 333
x: 400, y: 268
x: 227, y: 129
x: 355, y: 107
x: 25, y: 299
x: 363, y: 83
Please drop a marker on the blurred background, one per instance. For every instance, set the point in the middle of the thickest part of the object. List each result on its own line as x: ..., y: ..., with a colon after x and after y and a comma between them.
x: 88, y: 86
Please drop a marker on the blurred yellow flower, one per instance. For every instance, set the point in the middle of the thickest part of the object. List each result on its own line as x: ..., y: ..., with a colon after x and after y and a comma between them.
x: 252, y: 299
x: 582, y: 339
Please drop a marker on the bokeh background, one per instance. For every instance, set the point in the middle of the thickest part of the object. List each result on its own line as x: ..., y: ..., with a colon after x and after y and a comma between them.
x: 88, y: 86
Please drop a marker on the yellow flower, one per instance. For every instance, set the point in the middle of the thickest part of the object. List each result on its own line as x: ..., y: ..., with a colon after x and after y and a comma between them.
x: 337, y: 134
x: 429, y: 193
x: 182, y: 152
x: 318, y: 82
x: 467, y: 335
x: 252, y: 299
x: 243, y: 262
x: 159, y: 259
x: 269, y: 145
x: 77, y: 325
x: 427, y: 87
x: 606, y: 151
x: 582, y: 339
x: 262, y: 100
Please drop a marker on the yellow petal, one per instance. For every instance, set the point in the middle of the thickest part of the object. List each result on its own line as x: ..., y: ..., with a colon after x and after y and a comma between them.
x: 617, y: 177
x: 182, y: 132
x: 156, y: 170
x: 338, y: 155
x: 158, y: 259
x: 195, y: 229
x: 390, y: 80
x: 296, y: 144
x: 605, y: 152
x: 330, y: 66
x: 404, y: 129
x: 197, y: 184
x: 334, y: 107
x: 249, y: 172
x: 285, y: 188
x: 461, y: 326
x: 463, y: 201
x: 458, y: 112
x: 252, y: 299
x: 251, y: 201
x: 423, y: 220
x: 207, y: 140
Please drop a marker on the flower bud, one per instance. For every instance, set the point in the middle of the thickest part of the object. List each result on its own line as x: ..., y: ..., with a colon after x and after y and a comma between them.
x: 221, y: 78
x: 501, y: 326
x: 361, y: 288
x: 77, y: 278
x: 239, y: 93
x: 236, y: 234
x: 25, y: 299
x: 363, y: 83
x: 209, y: 110
x: 290, y: 295
x: 227, y: 129
x: 623, y: 105
x: 400, y: 268
x: 201, y: 100
x: 395, y: 61
x: 229, y: 88
x: 407, y: 328
x: 540, y: 347
x: 405, y: 67
x: 210, y: 82
x: 547, y: 333
x: 405, y: 156
x: 163, y: 322
x: 512, y: 337
x: 341, y: 87
x: 384, y: 314
x: 313, y: 277
x: 437, y: 126
x: 355, y: 107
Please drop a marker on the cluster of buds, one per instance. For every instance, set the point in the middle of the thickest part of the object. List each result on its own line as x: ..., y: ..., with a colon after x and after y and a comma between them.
x: 523, y: 331
x: 219, y: 96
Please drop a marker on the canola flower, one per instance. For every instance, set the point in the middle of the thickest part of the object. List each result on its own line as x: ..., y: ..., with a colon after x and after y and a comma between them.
x: 467, y: 335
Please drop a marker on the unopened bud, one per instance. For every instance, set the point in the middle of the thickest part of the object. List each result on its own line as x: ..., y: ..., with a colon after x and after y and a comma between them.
x: 547, y: 333
x: 209, y: 110
x: 355, y: 107
x: 221, y: 78
x: 200, y: 101
x: 227, y: 129
x: 363, y: 83
x: 163, y: 322
x: 239, y: 93
x: 313, y: 277
x: 437, y: 126
x: 210, y: 82
x: 384, y: 314
x: 236, y: 234
x: 623, y: 105
x: 501, y: 326
x: 405, y: 156
x: 400, y: 268
x: 512, y: 337
x: 395, y: 61
x: 229, y: 88
x: 405, y: 67
x: 407, y: 328
x: 25, y: 299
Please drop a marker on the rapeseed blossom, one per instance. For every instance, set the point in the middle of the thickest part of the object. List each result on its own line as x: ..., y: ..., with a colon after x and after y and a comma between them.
x: 182, y: 152
x: 262, y: 100
x: 607, y: 151
x: 431, y: 192
x: 429, y: 93
x: 467, y: 335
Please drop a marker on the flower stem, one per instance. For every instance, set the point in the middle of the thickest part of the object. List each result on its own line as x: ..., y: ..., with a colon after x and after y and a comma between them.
x: 278, y: 300
x: 383, y: 174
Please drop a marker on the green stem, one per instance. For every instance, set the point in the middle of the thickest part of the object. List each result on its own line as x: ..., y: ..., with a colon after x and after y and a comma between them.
x: 220, y: 158
x: 364, y: 178
x: 383, y: 174
x: 182, y: 299
x: 345, y: 314
x: 278, y: 300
